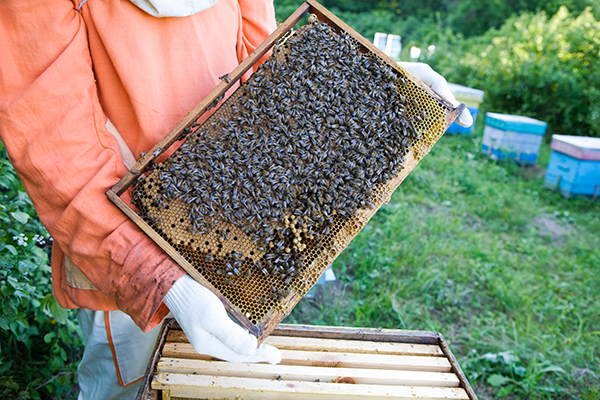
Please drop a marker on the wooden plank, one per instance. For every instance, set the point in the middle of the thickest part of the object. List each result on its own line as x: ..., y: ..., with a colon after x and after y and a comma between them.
x: 353, y: 346
x: 377, y: 361
x: 143, y: 392
x: 351, y: 333
x: 207, y: 386
x: 332, y: 359
x: 464, y: 382
x: 348, y: 346
x: 308, y: 374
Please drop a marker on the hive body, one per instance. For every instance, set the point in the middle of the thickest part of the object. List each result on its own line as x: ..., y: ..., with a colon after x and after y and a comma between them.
x: 262, y: 197
x: 512, y: 136
x: 317, y: 363
x: 574, y: 165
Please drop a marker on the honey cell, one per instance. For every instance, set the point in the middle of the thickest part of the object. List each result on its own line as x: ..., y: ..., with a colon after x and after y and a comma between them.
x: 264, y: 195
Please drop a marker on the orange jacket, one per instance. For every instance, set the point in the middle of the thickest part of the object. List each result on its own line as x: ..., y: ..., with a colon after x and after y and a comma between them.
x: 64, y: 74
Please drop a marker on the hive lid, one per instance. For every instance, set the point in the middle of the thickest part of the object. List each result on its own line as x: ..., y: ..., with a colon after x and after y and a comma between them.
x: 470, y: 96
x: 516, y: 123
x: 580, y: 147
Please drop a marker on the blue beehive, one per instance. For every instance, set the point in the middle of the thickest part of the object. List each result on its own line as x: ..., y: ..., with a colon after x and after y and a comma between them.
x: 512, y: 136
x: 472, y: 98
x: 574, y: 166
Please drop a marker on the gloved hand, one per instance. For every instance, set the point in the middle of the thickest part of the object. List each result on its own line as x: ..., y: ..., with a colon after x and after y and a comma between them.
x: 209, y: 329
x: 428, y: 76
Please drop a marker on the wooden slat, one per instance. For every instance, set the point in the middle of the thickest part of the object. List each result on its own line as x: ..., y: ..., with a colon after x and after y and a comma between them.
x: 456, y: 369
x: 207, y: 386
x: 332, y: 359
x: 347, y: 346
x: 376, y: 361
x: 308, y: 374
x: 353, y: 346
x: 144, y: 392
x: 357, y: 333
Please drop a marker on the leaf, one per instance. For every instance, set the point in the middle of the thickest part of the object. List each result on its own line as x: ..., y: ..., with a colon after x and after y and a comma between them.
x: 490, y: 357
x: 49, y: 336
x: 508, y: 357
x: 506, y: 391
x: 398, y: 310
x: 552, y: 368
x: 60, y: 314
x: 11, y: 249
x: 20, y: 216
x: 374, y: 274
x: 9, y: 382
x: 497, y: 380
x: 520, y: 370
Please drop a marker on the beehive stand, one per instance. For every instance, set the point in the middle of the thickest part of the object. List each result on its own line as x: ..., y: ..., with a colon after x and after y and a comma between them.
x: 317, y: 363
x: 262, y: 197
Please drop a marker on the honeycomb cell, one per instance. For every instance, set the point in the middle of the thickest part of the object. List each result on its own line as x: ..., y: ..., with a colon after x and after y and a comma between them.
x: 263, y: 196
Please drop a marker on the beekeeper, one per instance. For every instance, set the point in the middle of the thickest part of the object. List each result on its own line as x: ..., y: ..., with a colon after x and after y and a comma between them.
x: 85, y: 87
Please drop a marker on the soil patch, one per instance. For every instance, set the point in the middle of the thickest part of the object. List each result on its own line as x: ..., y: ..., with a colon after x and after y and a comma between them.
x: 550, y: 228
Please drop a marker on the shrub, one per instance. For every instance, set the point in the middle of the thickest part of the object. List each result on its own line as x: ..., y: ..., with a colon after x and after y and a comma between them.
x: 39, y: 339
x: 545, y: 68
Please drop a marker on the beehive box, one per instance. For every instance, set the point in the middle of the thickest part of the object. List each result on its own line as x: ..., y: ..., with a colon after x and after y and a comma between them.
x: 472, y: 98
x: 317, y: 363
x: 264, y: 195
x: 512, y: 136
x: 574, y: 165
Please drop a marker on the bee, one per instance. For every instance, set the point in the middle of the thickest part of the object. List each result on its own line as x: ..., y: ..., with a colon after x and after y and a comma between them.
x: 226, y: 77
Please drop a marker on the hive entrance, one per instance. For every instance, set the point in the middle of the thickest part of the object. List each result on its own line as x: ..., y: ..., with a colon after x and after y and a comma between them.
x: 263, y: 196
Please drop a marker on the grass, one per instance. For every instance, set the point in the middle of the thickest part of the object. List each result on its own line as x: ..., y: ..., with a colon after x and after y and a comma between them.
x: 507, y: 270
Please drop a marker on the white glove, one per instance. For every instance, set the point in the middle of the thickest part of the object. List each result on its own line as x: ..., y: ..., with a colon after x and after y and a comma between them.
x: 428, y: 76
x: 209, y: 329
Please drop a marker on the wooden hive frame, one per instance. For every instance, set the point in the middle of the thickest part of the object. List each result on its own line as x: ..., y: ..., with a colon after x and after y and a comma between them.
x: 318, y: 362
x: 268, y: 323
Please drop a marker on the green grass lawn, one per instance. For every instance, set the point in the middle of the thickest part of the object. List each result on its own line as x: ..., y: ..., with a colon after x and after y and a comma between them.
x: 507, y: 270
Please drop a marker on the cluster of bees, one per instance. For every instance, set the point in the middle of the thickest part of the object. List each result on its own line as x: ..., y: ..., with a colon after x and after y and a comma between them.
x: 303, y: 143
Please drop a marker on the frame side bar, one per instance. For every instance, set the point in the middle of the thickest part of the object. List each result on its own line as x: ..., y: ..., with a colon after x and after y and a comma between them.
x: 144, y: 390
x: 456, y: 368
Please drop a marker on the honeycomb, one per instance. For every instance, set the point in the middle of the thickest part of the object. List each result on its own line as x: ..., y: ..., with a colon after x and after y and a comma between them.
x: 264, y: 195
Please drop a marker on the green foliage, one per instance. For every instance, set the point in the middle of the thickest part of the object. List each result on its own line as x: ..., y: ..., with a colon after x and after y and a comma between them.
x: 467, y: 18
x: 38, y: 338
x: 545, y: 68
x: 507, y: 270
x: 533, y: 65
x: 474, y: 17
x: 505, y: 372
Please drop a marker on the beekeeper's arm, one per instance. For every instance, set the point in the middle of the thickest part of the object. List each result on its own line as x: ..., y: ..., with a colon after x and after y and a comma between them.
x: 54, y: 130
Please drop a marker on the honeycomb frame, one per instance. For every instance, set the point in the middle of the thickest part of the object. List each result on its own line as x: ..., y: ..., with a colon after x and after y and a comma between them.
x: 193, y: 252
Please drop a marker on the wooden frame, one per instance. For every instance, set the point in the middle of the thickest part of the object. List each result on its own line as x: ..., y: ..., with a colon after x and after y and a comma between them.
x: 378, y: 345
x: 146, y: 162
